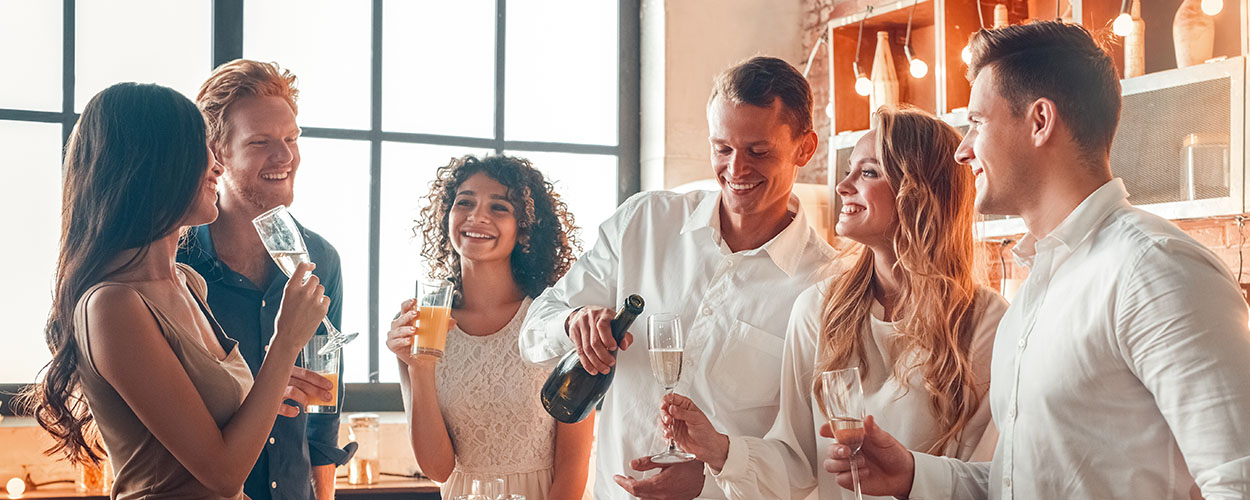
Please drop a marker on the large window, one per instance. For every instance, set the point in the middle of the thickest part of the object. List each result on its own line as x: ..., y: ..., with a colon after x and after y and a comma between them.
x: 389, y: 91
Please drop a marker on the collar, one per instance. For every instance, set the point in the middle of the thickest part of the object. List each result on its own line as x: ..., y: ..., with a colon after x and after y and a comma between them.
x: 785, y: 249
x: 1080, y: 223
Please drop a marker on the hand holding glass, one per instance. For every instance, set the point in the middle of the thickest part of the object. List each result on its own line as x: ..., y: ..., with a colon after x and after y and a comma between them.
x: 844, y: 406
x: 282, y: 239
x: 433, y: 316
x: 666, y: 345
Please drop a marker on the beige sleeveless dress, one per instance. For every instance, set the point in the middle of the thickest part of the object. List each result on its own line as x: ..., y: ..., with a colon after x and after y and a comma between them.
x: 144, y: 467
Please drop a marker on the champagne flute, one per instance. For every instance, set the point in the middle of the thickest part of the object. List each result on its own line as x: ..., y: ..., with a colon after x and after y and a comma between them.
x: 844, y: 406
x: 282, y: 239
x: 665, y: 347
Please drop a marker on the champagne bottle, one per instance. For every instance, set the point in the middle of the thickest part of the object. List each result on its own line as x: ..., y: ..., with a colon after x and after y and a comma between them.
x: 571, y: 392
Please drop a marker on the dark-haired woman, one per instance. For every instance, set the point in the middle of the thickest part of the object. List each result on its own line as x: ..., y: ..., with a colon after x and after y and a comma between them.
x: 136, y: 350
x: 495, y: 228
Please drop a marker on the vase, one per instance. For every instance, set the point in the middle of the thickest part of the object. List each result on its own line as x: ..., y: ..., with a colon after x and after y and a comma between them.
x: 1000, y: 16
x: 1135, y: 44
x: 884, y: 78
x: 1193, y: 34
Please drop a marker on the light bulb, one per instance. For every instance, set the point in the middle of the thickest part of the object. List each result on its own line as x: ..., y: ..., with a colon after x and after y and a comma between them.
x: 863, y: 86
x: 1212, y: 7
x: 966, y: 55
x: 918, y: 68
x: 1123, y: 24
x: 16, y: 487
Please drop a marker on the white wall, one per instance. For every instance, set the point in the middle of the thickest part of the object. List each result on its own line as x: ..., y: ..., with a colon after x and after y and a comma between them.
x: 685, y: 44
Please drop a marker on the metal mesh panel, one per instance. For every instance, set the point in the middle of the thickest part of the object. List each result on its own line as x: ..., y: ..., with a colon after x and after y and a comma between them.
x: 1173, y: 143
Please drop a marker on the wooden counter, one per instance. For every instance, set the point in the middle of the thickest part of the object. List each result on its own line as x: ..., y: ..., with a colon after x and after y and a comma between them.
x: 388, y: 488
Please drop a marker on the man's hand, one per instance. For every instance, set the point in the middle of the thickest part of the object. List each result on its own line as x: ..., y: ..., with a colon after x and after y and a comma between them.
x: 303, y: 383
x: 590, y: 329
x: 689, y: 427
x: 886, y: 467
x: 674, y: 481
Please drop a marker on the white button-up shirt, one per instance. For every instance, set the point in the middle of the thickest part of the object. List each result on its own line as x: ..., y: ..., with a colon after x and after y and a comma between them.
x: 788, y: 461
x: 1120, y: 371
x: 667, y: 248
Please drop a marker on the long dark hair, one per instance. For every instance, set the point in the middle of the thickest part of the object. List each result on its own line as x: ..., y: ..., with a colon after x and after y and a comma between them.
x: 546, y: 234
x: 133, y: 167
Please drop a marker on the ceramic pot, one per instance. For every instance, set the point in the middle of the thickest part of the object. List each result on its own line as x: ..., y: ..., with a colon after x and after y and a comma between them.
x: 1135, y: 44
x: 1193, y: 34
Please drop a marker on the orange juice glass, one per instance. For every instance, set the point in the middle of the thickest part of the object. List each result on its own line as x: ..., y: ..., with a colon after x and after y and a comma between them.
x: 433, y: 316
x: 326, y: 365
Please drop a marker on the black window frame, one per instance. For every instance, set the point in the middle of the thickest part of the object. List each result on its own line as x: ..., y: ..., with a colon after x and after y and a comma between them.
x: 227, y: 44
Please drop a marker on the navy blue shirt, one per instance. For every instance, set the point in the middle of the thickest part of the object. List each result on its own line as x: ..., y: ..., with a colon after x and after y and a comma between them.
x: 246, y: 312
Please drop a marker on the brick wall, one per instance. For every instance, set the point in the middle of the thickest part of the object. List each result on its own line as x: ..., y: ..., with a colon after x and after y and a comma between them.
x: 1220, y: 234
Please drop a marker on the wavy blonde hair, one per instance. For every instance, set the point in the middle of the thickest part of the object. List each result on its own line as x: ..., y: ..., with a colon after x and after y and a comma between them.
x: 934, y: 244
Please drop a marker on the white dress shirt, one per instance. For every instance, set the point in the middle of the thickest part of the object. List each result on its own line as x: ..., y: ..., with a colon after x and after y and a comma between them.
x: 788, y: 461
x: 1121, y: 370
x: 667, y: 248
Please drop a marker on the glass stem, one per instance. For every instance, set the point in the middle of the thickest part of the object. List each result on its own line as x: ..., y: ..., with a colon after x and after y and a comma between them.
x: 672, y: 445
x: 859, y: 495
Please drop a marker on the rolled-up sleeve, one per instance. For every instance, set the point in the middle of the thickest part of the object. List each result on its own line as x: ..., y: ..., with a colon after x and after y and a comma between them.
x: 591, y: 281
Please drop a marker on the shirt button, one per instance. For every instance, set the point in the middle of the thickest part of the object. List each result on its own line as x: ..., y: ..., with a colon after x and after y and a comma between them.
x: 1010, y: 414
x: 262, y: 303
x: 729, y: 264
x: 271, y: 440
x: 273, y: 485
x: 1020, y: 343
x: 707, y: 311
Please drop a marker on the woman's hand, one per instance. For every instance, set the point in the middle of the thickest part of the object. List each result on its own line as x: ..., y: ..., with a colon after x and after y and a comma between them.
x: 403, y: 331
x: 304, y: 304
x: 689, y: 427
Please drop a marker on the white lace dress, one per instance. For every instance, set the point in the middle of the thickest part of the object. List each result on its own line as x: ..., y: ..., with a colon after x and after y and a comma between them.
x: 489, y: 400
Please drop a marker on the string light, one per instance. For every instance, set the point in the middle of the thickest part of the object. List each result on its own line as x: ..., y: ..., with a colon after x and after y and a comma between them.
x: 966, y: 54
x: 16, y: 487
x: 917, y: 67
x: 863, y: 86
x: 1123, y: 23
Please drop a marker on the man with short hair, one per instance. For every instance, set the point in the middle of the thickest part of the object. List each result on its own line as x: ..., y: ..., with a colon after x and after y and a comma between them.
x: 1120, y: 370
x: 730, y: 263
x: 249, y: 109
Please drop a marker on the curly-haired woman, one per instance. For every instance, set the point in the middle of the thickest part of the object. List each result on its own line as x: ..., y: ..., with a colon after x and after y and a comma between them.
x: 496, y: 229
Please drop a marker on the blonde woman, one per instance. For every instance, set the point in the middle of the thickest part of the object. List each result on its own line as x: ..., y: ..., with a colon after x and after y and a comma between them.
x: 907, y: 312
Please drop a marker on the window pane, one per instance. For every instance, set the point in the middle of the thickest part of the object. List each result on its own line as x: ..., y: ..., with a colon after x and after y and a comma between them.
x: 332, y: 199
x: 326, y: 44
x: 30, y: 33
x: 562, y: 67
x: 407, y: 171
x: 587, y: 183
x: 438, y: 61
x: 147, y: 41
x: 31, y: 153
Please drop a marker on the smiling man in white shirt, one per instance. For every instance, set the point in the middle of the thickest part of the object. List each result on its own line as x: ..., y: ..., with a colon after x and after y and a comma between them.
x: 730, y: 263
x: 1122, y: 368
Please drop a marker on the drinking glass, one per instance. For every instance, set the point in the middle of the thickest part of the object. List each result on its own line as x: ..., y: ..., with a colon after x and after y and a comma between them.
x: 489, y: 489
x: 326, y: 364
x: 844, y: 406
x: 282, y: 239
x: 665, y: 346
x: 433, y: 313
